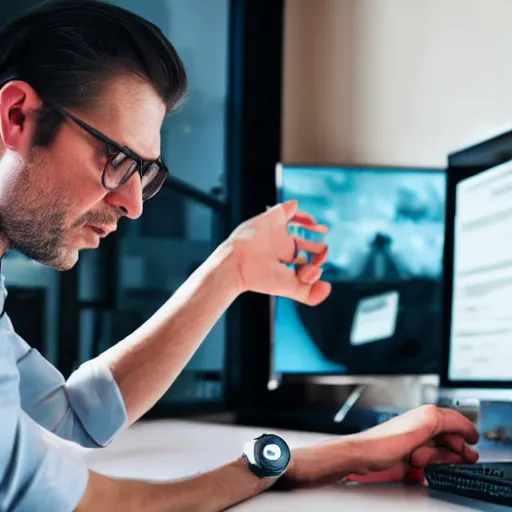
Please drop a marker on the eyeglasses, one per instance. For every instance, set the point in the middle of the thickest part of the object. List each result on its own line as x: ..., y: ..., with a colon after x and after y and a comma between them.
x: 122, y: 162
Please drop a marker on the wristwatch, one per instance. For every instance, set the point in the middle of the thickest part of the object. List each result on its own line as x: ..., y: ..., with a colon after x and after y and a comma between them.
x: 268, y: 456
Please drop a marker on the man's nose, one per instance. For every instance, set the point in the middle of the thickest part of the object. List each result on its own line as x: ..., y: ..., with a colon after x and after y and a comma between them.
x: 128, y: 198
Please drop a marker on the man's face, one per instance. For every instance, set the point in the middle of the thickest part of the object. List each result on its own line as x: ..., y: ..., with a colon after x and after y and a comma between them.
x: 52, y: 202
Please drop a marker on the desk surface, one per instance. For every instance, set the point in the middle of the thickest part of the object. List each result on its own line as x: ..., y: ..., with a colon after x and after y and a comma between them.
x: 165, y: 450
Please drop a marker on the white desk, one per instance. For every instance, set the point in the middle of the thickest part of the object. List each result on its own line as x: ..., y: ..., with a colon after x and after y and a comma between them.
x: 164, y: 450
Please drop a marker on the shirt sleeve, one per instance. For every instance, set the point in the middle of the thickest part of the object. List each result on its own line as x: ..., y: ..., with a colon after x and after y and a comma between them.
x: 87, y: 409
x: 35, y: 474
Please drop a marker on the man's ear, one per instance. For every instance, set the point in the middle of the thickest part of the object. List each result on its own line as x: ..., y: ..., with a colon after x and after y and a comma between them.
x: 18, y: 105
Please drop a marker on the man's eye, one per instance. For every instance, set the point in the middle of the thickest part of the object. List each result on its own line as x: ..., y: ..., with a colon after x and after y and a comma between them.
x: 117, y: 158
x: 114, y: 156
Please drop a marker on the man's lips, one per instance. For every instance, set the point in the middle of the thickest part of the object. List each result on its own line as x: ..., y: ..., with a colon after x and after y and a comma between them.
x: 101, y: 230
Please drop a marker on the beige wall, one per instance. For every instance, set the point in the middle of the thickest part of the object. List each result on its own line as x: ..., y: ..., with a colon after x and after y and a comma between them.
x: 394, y: 82
x: 398, y: 82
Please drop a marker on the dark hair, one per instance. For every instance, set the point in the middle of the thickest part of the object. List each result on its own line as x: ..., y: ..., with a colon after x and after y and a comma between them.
x: 66, y: 49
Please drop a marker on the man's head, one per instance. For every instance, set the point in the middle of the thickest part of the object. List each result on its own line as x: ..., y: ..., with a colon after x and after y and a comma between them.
x: 66, y: 67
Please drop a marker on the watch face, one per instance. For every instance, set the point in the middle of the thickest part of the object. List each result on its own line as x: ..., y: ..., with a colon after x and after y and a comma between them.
x: 272, y: 452
x: 271, y: 455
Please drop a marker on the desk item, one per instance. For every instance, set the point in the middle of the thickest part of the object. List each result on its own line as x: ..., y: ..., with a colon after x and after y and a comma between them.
x: 267, y: 456
x: 484, y: 481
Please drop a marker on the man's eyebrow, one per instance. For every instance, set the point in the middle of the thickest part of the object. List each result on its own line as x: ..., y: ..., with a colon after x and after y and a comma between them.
x: 129, y: 148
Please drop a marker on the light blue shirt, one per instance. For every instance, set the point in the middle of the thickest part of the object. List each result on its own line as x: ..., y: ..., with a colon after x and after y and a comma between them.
x: 36, y: 474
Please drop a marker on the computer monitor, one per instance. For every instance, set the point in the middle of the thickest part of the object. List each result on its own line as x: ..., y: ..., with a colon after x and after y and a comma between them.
x: 386, y: 243
x: 478, y: 270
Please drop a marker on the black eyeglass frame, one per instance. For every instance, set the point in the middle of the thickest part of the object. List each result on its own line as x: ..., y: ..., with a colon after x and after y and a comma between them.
x: 142, y: 165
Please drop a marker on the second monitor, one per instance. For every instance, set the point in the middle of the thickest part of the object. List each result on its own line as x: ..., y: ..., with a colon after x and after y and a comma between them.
x: 385, y: 265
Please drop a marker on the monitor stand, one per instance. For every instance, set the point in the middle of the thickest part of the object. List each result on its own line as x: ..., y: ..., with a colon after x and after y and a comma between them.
x: 351, y: 400
x: 425, y: 388
x: 275, y: 382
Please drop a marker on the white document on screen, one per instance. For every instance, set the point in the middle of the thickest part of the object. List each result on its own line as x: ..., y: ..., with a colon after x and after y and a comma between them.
x: 481, y: 326
x: 375, y: 318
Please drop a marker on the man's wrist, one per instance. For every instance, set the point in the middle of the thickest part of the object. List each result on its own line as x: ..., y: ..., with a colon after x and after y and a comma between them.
x: 223, y: 262
x: 258, y: 485
x: 320, y: 464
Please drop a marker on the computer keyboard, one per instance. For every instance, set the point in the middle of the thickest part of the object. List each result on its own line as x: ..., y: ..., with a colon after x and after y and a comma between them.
x: 487, y: 481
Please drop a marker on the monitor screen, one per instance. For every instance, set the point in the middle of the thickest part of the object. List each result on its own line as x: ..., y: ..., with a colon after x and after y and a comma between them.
x: 481, y: 321
x: 385, y: 259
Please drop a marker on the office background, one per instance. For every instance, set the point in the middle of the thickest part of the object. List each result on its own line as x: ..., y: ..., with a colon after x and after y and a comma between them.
x: 392, y: 83
x: 327, y: 81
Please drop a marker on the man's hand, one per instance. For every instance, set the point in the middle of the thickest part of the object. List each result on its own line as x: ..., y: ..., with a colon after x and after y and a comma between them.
x: 393, y: 451
x: 262, y: 248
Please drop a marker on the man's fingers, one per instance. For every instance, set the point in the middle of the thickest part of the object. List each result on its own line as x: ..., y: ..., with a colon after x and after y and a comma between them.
x: 318, y: 293
x: 320, y: 258
x: 292, y: 249
x: 293, y: 215
x: 443, y: 449
x: 309, y: 274
x: 452, y: 422
x: 304, y: 285
x: 446, y: 457
x: 305, y: 218
x: 311, y: 247
x: 317, y: 260
x: 457, y: 444
x: 284, y: 212
x: 312, y: 272
x: 308, y: 222
x: 289, y: 285
x: 431, y: 454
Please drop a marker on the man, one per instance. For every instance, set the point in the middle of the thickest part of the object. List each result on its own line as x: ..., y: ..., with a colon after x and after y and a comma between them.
x: 84, y: 88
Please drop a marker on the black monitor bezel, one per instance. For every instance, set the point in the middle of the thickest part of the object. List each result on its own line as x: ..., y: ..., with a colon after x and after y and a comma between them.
x: 463, y: 164
x: 349, y: 167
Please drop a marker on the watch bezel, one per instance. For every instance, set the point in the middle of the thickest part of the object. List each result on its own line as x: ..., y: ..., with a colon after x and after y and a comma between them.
x: 254, y: 460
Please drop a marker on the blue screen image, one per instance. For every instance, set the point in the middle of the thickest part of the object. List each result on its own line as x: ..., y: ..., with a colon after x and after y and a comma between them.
x: 385, y: 264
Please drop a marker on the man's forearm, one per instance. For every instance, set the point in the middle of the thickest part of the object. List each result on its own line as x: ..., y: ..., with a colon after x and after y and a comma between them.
x: 224, y: 487
x: 210, y: 492
x: 322, y: 463
x: 147, y: 362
